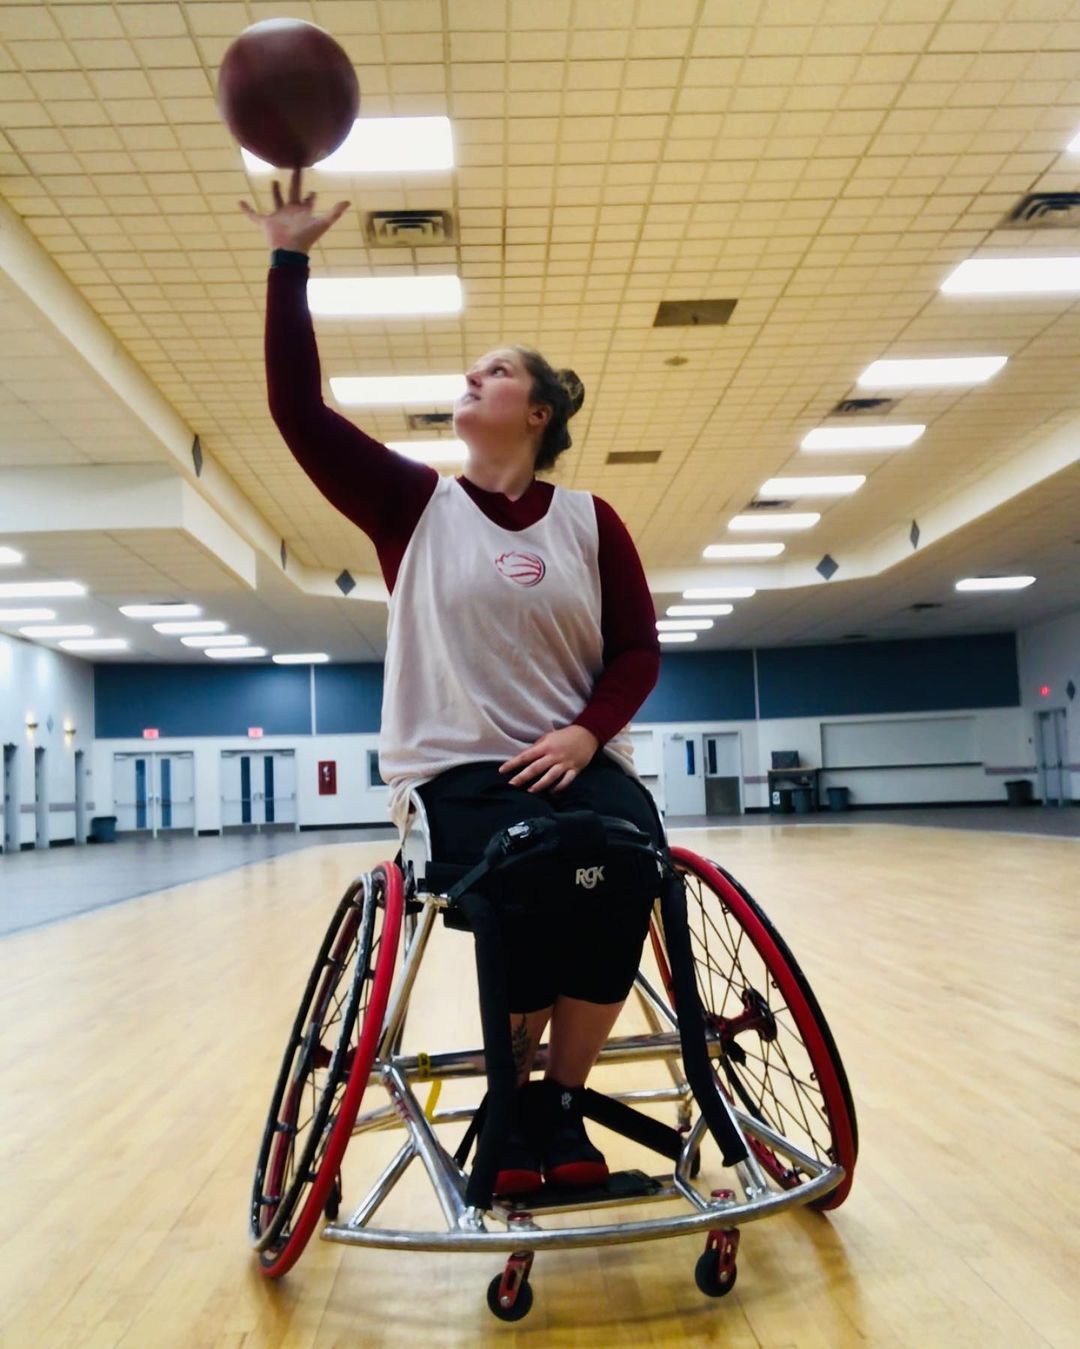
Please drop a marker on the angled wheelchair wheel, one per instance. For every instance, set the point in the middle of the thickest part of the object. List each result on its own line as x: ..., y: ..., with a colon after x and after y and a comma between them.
x: 780, y: 1063
x: 327, y: 1062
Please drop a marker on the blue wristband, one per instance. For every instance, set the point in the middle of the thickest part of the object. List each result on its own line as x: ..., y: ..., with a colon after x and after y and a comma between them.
x: 287, y: 257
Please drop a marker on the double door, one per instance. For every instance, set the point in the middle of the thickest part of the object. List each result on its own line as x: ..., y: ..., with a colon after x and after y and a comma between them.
x: 702, y: 773
x: 258, y: 790
x: 154, y: 793
x: 1050, y: 742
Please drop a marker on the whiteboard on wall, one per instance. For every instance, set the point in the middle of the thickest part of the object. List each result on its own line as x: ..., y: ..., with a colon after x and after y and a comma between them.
x: 644, y: 743
x: 880, y: 744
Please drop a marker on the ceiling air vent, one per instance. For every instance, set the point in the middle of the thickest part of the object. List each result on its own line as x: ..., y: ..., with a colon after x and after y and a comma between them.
x: 693, y: 313
x: 632, y: 457
x: 861, y: 407
x: 768, y: 505
x: 1045, y: 210
x: 427, y: 421
x: 408, y: 229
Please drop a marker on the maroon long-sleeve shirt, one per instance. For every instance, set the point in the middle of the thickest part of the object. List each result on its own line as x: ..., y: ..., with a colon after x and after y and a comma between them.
x: 385, y: 494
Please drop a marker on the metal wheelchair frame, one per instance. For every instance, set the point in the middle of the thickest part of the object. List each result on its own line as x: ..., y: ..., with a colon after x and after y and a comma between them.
x: 507, y: 1225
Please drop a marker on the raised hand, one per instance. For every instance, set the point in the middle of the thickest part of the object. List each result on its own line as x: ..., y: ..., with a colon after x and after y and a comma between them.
x: 293, y: 224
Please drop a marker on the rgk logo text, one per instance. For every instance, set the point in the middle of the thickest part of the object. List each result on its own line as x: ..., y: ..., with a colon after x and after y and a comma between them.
x: 589, y: 877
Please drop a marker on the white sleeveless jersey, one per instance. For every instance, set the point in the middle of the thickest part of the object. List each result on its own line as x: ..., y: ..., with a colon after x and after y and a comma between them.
x: 494, y: 638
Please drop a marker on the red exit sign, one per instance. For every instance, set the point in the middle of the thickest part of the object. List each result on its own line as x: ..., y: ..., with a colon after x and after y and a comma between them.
x: 151, y: 733
x: 255, y: 732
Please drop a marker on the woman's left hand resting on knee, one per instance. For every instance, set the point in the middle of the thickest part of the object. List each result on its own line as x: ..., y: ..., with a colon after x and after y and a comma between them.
x: 559, y: 756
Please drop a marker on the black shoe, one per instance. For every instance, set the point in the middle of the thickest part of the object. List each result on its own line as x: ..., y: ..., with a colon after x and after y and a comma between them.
x: 519, y: 1166
x: 569, y: 1159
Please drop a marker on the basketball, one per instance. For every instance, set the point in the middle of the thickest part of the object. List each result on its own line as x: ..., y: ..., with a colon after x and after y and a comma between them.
x: 288, y: 92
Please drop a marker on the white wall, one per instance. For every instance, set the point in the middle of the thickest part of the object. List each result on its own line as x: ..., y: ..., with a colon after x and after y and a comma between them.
x: 998, y: 736
x: 1049, y: 654
x: 46, y: 686
x: 355, y: 802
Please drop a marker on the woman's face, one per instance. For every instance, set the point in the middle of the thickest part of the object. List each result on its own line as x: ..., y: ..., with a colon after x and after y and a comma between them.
x: 495, y: 406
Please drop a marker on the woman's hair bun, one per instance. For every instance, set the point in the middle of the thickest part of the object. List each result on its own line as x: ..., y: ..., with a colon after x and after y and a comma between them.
x: 575, y: 390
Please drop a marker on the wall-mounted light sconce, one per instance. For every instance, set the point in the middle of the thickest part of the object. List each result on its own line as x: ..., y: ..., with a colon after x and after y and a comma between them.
x: 31, y: 723
x: 69, y: 730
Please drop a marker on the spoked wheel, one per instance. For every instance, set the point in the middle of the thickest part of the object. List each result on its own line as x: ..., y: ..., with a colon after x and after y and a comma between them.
x: 328, y: 1059
x: 780, y: 1063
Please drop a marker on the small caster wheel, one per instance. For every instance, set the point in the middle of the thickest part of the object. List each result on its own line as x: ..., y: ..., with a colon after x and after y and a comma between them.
x: 714, y: 1279
x: 520, y: 1305
x: 332, y: 1207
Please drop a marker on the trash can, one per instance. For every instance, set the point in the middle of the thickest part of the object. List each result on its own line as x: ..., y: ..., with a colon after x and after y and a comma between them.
x: 804, y: 800
x: 103, y: 829
x: 1019, y: 792
x: 780, y: 800
x: 838, y: 797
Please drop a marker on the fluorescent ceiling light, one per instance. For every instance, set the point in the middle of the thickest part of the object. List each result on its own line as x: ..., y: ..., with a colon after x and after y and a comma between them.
x: 924, y: 373
x: 27, y: 615
x: 837, y: 486
x: 431, y: 451
x: 772, y: 520
x: 58, y: 630
x: 235, y: 652
x: 995, y: 582
x: 190, y: 626
x: 44, y: 590
x: 683, y: 624
x: 361, y: 296
x: 302, y: 658
x: 228, y: 639
x: 388, y: 390
x: 896, y: 437
x: 1014, y: 276
x: 744, y: 550
x: 9, y: 557
x: 677, y: 636
x: 160, y: 610
x: 699, y: 610
x: 95, y: 644
x: 720, y: 592
x: 383, y: 145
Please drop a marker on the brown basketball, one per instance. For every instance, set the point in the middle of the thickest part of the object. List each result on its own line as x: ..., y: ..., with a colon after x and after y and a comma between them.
x: 288, y: 92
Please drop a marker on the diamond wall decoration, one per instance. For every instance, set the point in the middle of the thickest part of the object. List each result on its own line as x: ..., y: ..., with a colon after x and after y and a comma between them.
x: 914, y: 535
x: 284, y: 554
x: 1070, y: 689
x: 828, y: 567
x: 345, y: 583
x: 196, y: 456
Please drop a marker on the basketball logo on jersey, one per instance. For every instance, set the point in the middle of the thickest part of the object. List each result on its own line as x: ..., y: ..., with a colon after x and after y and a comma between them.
x: 525, y: 569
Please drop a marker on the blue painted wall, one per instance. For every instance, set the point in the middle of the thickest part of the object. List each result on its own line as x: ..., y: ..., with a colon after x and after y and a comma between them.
x: 807, y: 681
x: 934, y: 675
x: 201, y: 699
x: 710, y: 686
x: 348, y: 698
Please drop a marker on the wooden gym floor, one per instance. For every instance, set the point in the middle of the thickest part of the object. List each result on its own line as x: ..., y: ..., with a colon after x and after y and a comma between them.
x: 140, y: 1043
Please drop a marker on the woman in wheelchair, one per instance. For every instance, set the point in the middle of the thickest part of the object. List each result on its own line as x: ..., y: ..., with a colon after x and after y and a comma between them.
x: 521, y: 641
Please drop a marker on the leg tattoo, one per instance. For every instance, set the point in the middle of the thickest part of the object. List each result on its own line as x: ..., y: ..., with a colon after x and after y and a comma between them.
x: 520, y: 1038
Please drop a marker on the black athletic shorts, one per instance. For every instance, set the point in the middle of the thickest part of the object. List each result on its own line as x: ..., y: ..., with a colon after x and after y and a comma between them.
x: 596, y: 960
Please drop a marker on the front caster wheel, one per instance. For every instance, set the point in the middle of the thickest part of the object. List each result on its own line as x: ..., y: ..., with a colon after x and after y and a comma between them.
x: 510, y: 1303
x: 713, y: 1279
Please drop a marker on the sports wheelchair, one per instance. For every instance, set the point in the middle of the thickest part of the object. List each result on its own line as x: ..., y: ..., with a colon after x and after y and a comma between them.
x: 751, y: 1062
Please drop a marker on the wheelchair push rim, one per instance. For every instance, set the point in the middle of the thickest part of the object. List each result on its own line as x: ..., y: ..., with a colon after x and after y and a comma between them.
x: 780, y: 1062
x: 325, y: 1069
